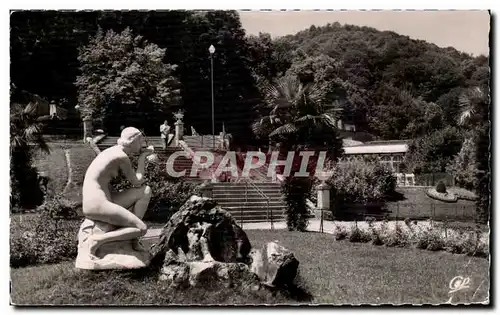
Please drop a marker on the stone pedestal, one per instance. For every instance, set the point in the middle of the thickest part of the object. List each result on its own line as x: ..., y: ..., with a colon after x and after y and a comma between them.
x: 112, y: 255
x: 179, y: 131
x: 87, y: 129
x: 323, y: 196
x: 323, y: 201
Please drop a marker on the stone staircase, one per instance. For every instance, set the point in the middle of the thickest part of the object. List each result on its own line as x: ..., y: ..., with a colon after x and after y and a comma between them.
x: 179, y: 164
x: 205, y: 142
x: 246, y: 203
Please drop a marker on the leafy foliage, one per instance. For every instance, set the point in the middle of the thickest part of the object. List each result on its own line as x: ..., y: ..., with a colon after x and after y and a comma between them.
x: 124, y: 74
x: 432, y: 152
x: 25, y: 139
x: 295, y: 115
x: 464, y: 165
x: 58, y: 208
x: 42, y: 241
x: 167, y: 195
x: 360, y: 181
x: 441, y: 187
x: 296, y: 191
x: 475, y: 116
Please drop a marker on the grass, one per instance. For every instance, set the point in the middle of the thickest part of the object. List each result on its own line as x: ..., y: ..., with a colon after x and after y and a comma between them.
x: 80, y: 158
x: 417, y: 205
x: 56, y: 167
x: 54, y: 164
x: 332, y: 272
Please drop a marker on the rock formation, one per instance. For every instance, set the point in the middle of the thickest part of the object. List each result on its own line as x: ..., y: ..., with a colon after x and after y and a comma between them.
x: 202, y: 244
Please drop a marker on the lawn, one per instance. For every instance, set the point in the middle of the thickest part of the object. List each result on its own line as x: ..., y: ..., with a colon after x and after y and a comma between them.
x: 333, y: 272
x: 417, y: 205
x: 55, y: 165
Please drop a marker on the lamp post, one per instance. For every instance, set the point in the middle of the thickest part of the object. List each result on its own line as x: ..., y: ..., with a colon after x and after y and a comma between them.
x: 211, y: 50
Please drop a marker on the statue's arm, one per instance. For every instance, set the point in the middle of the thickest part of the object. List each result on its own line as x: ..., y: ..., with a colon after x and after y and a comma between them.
x: 135, y: 178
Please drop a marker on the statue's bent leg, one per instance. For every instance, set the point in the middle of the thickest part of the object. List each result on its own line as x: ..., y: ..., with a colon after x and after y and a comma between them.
x: 137, y: 197
x: 132, y: 226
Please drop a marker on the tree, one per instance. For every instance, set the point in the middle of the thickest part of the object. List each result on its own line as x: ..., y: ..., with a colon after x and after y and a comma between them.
x: 475, y: 116
x: 25, y: 139
x: 431, y: 153
x: 123, y: 78
x: 295, y: 115
x: 464, y: 165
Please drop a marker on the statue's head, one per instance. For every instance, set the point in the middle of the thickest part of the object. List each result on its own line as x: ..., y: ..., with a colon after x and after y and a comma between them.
x: 131, y: 138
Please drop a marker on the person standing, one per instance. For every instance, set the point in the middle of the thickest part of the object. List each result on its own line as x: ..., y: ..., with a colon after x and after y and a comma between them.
x: 165, y: 131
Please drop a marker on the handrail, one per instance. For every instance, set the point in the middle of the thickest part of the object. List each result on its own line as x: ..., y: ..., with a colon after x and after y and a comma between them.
x: 269, y: 211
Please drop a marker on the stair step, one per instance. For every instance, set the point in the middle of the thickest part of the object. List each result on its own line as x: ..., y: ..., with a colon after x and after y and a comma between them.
x: 254, y: 213
x: 241, y: 185
x: 253, y: 209
x: 262, y: 205
x: 255, y: 200
x: 242, y: 197
x: 244, y: 188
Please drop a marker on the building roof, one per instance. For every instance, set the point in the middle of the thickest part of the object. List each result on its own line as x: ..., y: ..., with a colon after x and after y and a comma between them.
x: 350, y: 143
x: 378, y: 147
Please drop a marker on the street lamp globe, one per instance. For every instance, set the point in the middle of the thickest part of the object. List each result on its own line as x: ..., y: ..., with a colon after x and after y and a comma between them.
x: 211, y: 49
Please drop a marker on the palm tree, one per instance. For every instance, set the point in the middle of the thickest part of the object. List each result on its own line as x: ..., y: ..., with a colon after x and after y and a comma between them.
x: 25, y: 138
x: 295, y: 115
x: 474, y: 115
x: 473, y: 106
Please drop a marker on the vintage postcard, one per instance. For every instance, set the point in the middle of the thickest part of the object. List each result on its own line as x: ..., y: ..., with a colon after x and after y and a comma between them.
x: 220, y: 157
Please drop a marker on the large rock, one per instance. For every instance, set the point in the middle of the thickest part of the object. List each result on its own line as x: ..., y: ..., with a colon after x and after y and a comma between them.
x: 275, y: 265
x: 112, y: 255
x: 202, y: 245
x: 227, y: 242
x: 181, y: 273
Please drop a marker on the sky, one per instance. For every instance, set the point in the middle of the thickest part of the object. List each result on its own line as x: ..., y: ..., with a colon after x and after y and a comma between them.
x: 467, y: 31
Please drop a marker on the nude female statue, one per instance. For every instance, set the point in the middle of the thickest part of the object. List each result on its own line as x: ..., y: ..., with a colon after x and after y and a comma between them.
x: 101, y: 204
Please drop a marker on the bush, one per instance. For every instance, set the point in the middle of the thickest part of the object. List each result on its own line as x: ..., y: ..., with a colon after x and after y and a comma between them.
x: 168, y: 195
x: 296, y: 191
x: 358, y: 235
x: 431, y: 240
x: 441, y: 187
x: 360, y: 182
x: 60, y: 208
x: 340, y: 232
x: 397, y: 238
x: 42, y: 240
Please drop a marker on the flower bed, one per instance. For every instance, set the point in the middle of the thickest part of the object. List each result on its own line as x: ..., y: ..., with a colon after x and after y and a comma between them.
x: 446, y: 197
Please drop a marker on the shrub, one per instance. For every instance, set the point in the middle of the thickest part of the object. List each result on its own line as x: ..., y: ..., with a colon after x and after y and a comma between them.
x: 358, y: 235
x: 376, y: 237
x: 360, y: 182
x: 431, y: 240
x: 60, y: 208
x: 296, y: 191
x: 43, y: 240
x: 397, y: 238
x: 340, y: 232
x: 441, y: 187
x: 168, y: 194
x: 464, y: 165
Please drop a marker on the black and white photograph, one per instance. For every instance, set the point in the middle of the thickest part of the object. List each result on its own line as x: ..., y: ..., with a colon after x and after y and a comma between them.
x: 250, y: 157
